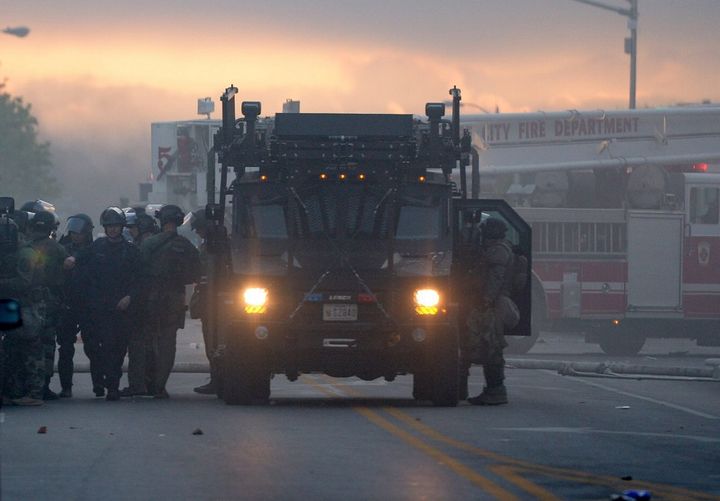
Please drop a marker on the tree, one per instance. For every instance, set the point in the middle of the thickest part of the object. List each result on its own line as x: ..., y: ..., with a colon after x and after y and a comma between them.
x: 25, y: 164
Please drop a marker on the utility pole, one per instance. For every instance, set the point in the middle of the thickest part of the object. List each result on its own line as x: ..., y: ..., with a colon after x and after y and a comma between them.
x: 630, y: 43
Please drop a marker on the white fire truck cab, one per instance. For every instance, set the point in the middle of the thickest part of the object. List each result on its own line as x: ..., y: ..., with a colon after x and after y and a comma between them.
x: 624, y: 215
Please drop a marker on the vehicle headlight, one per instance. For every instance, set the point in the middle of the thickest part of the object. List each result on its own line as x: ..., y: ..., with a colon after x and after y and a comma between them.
x: 255, y: 299
x: 426, y: 301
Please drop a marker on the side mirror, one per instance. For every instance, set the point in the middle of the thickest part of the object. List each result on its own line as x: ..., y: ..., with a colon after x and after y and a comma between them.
x: 10, y: 315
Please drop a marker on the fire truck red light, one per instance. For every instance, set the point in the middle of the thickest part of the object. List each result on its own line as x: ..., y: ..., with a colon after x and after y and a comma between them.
x: 702, y: 167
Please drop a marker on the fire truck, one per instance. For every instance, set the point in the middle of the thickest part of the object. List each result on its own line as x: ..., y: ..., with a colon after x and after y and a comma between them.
x: 624, y: 213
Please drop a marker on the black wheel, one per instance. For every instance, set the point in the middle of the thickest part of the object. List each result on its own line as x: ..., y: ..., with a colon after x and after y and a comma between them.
x: 463, y: 389
x: 422, y: 385
x: 245, y: 376
x: 446, y: 370
x: 219, y: 377
x: 621, y: 341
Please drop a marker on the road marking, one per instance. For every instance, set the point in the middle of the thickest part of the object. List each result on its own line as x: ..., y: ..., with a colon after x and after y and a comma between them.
x: 484, y: 483
x: 550, y: 429
x: 509, y: 467
x: 661, y: 490
x: 642, y: 397
x: 509, y: 473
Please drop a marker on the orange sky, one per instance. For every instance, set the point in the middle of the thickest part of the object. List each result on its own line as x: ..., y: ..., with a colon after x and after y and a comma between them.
x: 99, y: 72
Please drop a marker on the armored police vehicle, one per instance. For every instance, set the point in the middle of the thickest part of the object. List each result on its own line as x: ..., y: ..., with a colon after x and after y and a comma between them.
x: 344, y: 253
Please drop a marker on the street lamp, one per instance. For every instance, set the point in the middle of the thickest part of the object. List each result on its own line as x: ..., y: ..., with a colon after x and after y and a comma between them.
x: 630, y: 43
x: 17, y: 31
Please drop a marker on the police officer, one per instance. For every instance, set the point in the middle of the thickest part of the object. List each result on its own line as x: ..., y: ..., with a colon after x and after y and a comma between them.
x: 76, y: 241
x: 199, y: 224
x: 51, y: 257
x: 140, y: 355
x: 493, y: 311
x: 23, y: 348
x: 170, y: 262
x: 109, y: 283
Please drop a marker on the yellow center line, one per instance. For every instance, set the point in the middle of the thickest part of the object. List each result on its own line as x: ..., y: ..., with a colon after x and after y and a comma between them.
x: 510, y: 474
x: 660, y: 490
x: 668, y: 492
x: 456, y: 466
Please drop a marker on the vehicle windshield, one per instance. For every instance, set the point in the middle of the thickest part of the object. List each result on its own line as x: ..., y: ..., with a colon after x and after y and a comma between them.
x: 343, y: 211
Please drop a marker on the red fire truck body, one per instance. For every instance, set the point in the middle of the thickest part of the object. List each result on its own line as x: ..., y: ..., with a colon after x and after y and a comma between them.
x: 626, y: 229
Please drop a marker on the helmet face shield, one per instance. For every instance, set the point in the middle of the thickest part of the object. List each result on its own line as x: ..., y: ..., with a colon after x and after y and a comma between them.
x: 130, y: 219
x: 76, y: 225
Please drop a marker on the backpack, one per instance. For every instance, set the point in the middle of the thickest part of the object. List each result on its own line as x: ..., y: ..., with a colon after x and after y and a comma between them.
x: 179, y: 261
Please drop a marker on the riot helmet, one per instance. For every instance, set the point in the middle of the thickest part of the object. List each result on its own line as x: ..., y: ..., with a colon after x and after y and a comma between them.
x: 112, y: 216
x: 130, y: 217
x: 146, y: 224
x: 37, y: 206
x: 42, y: 222
x: 170, y: 214
x: 79, y: 223
x: 494, y: 228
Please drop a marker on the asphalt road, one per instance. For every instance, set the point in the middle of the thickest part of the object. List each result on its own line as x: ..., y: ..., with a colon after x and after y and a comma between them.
x: 560, y: 437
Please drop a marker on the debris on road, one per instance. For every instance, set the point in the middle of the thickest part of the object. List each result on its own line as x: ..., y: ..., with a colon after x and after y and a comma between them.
x: 42, y: 430
x: 197, y: 431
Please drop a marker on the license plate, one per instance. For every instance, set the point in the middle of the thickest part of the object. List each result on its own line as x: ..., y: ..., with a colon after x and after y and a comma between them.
x: 340, y: 312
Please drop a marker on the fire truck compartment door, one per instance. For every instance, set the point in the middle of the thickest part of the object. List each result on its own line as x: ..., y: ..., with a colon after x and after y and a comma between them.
x: 654, y: 261
x: 468, y: 212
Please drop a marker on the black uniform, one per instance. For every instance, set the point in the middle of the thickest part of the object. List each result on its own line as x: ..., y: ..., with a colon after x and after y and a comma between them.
x: 109, y: 272
x: 71, y: 316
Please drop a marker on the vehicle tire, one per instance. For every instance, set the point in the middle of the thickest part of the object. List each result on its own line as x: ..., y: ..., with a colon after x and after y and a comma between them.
x: 219, y: 378
x: 621, y: 341
x: 422, y: 385
x: 446, y: 370
x: 463, y: 388
x: 245, y: 376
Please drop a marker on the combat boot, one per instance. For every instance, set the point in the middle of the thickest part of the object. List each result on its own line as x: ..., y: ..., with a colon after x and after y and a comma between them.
x: 27, y: 401
x: 206, y: 389
x: 496, y: 395
x: 65, y: 393
x: 133, y: 392
x: 112, y: 395
x: 99, y: 391
x: 48, y: 394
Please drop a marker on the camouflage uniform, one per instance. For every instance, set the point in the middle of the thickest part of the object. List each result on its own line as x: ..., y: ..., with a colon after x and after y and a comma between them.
x: 140, y: 377
x: 492, y: 310
x: 23, y: 348
x: 169, y: 262
x: 50, y: 256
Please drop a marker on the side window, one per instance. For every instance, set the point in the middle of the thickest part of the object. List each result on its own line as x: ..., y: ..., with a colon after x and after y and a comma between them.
x: 704, y: 205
